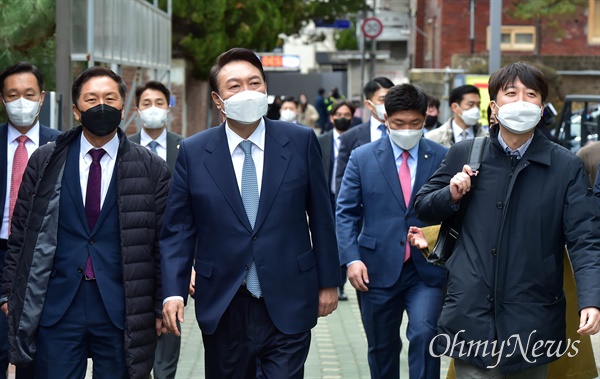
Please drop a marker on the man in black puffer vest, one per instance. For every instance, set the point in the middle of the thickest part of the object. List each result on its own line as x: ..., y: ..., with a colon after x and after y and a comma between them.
x: 82, y: 276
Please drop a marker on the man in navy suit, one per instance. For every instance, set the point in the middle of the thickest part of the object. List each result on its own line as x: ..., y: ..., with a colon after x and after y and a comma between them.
x: 376, y: 192
x: 22, y: 90
x: 374, y: 91
x: 264, y: 270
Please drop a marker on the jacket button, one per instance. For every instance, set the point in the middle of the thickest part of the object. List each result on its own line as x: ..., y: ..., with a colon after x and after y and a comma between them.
x: 91, y: 241
x: 494, y: 252
x: 499, y: 205
x: 80, y: 270
x: 247, y: 267
x: 490, y: 298
x: 401, y: 243
x: 254, y: 238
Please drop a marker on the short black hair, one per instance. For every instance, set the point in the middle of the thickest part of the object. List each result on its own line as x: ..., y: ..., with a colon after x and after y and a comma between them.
x: 152, y: 84
x: 232, y: 55
x: 531, y: 77
x: 433, y: 101
x: 457, y: 94
x: 340, y: 103
x: 375, y: 85
x: 18, y: 68
x: 94, y: 72
x: 289, y: 99
x: 405, y: 97
x: 321, y: 91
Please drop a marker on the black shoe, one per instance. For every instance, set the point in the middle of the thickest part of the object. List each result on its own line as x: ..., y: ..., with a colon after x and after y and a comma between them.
x: 341, y: 295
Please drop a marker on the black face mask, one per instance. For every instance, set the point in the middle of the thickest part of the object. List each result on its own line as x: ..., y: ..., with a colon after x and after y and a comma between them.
x: 101, y: 120
x: 430, y: 121
x: 342, y: 124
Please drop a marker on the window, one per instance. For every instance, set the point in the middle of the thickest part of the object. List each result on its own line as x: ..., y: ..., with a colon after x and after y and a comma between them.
x: 521, y: 38
x: 594, y: 23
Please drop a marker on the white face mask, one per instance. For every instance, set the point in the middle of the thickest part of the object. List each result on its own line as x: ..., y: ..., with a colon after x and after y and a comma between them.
x: 288, y: 115
x: 246, y: 107
x: 153, y: 117
x: 519, y: 117
x: 470, y: 116
x: 406, y: 139
x: 379, y: 110
x: 22, y: 112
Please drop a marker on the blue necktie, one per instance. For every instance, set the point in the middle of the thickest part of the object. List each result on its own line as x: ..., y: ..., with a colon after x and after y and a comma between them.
x: 153, y: 145
x: 383, y: 131
x: 250, y: 199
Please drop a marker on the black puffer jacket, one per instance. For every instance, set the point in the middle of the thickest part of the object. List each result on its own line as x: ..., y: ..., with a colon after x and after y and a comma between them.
x: 142, y: 189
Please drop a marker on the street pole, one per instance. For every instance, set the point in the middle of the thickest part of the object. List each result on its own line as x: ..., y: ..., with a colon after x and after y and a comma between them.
x: 373, y: 49
x: 63, y: 69
x: 495, y: 32
x: 472, y: 27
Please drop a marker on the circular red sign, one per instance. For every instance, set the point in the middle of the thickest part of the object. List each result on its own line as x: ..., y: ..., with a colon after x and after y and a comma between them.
x: 372, y: 27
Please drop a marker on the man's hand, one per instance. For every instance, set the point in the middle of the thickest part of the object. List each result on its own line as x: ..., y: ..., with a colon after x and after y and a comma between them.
x: 159, y: 326
x: 172, y: 311
x: 5, y: 309
x: 192, y: 289
x: 460, y: 184
x: 589, y: 322
x: 416, y: 238
x: 328, y: 300
x: 358, y: 277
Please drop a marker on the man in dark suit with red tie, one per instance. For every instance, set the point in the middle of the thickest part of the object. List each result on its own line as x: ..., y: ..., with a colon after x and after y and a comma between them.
x: 252, y: 193
x: 82, y: 275
x: 22, y: 90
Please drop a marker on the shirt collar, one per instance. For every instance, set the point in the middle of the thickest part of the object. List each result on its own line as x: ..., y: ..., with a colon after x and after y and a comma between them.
x: 336, y: 134
x: 33, y: 134
x: 145, y: 139
x: 111, y: 147
x: 375, y: 123
x: 257, y: 137
x: 457, y: 130
x: 414, y: 152
x: 522, y: 149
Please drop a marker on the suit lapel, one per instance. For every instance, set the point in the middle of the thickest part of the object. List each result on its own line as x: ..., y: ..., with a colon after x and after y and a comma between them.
x: 110, y: 200
x: 276, y: 160
x: 45, y: 136
x: 365, y: 136
x: 172, y: 150
x: 72, y: 181
x: 220, y: 168
x: 3, y: 163
x: 387, y: 163
x: 328, y: 154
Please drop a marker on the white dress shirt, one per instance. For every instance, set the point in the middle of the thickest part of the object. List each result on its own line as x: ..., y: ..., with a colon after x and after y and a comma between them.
x: 375, y: 131
x: 161, y: 149
x: 11, y: 146
x: 457, y: 130
x: 336, y: 151
x: 107, y: 163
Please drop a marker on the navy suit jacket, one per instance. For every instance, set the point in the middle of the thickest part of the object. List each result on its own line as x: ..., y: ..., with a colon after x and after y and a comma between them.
x: 294, y: 259
x: 356, y: 136
x: 326, y: 142
x: 46, y: 135
x: 371, y: 194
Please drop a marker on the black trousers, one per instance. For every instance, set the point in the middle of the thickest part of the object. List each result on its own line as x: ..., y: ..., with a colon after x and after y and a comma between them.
x: 246, y: 336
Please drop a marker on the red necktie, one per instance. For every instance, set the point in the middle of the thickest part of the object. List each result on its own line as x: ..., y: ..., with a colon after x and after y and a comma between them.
x: 92, y: 200
x: 404, y: 175
x: 18, y: 168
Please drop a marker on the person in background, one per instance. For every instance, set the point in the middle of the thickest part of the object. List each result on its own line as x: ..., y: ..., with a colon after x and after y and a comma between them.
x: 321, y: 108
x: 341, y: 117
x: 82, y: 275
x: 505, y: 277
x: 374, y: 212
x: 464, y: 102
x: 307, y: 113
x: 152, y: 101
x: 433, y: 110
x: 273, y: 112
x: 22, y: 93
x: 252, y: 194
x: 372, y: 130
x: 289, y: 110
